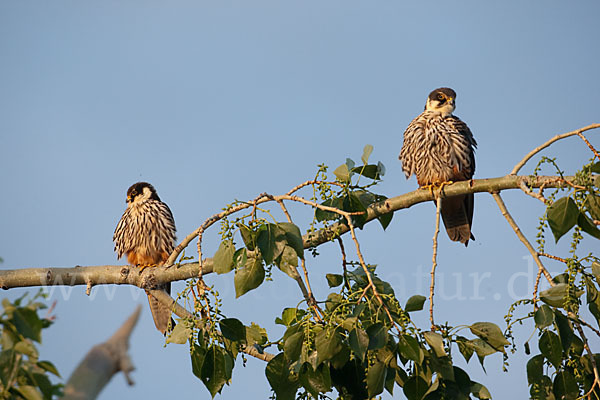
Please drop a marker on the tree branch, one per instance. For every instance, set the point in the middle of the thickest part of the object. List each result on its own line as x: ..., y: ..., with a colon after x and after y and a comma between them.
x: 533, y: 152
x: 438, y: 209
x: 152, y: 277
x: 522, y: 238
x: 102, y: 362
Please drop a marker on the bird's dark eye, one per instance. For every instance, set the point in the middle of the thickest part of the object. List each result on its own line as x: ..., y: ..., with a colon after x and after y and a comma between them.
x: 440, y: 97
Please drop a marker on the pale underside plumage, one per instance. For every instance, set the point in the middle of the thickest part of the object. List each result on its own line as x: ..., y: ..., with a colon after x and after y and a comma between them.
x: 440, y: 149
x: 146, y: 234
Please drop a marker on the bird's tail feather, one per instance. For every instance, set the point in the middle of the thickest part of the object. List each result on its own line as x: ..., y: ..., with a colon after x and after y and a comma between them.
x: 456, y: 219
x: 160, y: 313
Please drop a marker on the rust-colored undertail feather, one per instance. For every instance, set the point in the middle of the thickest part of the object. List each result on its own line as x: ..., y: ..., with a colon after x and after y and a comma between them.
x: 457, y: 215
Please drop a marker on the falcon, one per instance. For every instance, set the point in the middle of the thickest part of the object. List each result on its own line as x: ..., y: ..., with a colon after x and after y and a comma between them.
x: 146, y: 234
x: 439, y: 149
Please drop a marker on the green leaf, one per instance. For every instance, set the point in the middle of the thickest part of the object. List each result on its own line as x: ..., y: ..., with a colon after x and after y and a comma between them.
x: 436, y: 342
x: 482, y: 348
x: 180, y: 333
x: 543, y: 317
x: 535, y: 369
x: 370, y: 171
x: 592, y: 204
x: 588, y: 226
x: 282, y: 382
x: 491, y: 333
x: 465, y: 347
x: 562, y: 216
x: 328, y: 344
x: 376, y: 378
x: 415, y: 303
x: 255, y: 335
x: 377, y: 336
x: 368, y: 149
x: 384, y: 219
x: 595, y: 310
x: 240, y: 257
x: 542, y: 389
x: 409, y: 348
x: 28, y: 392
x: 592, y: 292
x: 26, y: 347
x: 28, y: 323
x: 293, y: 237
x: 197, y: 357
x: 352, y: 203
x: 342, y: 173
x: 271, y: 241
x: 480, y: 391
x: 288, y: 262
x: 565, y: 331
x: 48, y: 366
x: 462, y: 380
x: 293, y: 346
x: 596, y: 270
x: 415, y: 387
x: 551, y: 348
x: 223, y: 258
x: 233, y: 329
x: 322, y: 215
x: 248, y: 277
x: 316, y: 381
x: 359, y: 342
x: 595, y: 167
x: 565, y: 387
x: 557, y: 294
x: 248, y: 236
x: 334, y: 280
x: 214, y: 374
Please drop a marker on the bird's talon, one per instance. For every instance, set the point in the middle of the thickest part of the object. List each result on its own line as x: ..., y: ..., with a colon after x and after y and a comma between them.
x: 144, y: 266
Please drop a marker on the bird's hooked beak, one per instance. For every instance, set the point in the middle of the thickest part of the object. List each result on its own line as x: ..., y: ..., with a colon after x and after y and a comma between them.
x: 128, y: 199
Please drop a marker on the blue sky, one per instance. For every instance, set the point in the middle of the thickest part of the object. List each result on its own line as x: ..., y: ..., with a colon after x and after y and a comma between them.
x: 216, y: 101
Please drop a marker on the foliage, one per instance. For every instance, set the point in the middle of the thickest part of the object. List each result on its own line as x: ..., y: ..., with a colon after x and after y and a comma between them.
x: 22, y: 374
x: 565, y: 367
x: 360, y: 341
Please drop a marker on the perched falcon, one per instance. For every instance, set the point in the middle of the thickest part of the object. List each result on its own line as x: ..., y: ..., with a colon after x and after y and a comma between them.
x: 146, y: 233
x: 439, y: 148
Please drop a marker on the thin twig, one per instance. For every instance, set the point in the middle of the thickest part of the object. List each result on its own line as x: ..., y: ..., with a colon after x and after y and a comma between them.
x: 367, y: 273
x: 562, y: 260
x: 578, y: 319
x: 531, y: 193
x: 305, y: 288
x: 311, y: 182
x: 434, y: 258
x: 521, y: 237
x: 548, y: 143
x: 589, y: 145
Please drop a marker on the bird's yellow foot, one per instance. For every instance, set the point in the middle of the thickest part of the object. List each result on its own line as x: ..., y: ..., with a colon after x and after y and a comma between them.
x: 436, y: 186
x: 144, y: 266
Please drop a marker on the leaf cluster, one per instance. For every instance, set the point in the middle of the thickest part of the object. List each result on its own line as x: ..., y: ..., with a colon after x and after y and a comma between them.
x: 360, y: 352
x: 22, y: 374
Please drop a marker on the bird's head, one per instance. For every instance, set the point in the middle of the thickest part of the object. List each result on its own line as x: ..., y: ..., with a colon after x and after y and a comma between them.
x: 141, y: 191
x: 441, y: 101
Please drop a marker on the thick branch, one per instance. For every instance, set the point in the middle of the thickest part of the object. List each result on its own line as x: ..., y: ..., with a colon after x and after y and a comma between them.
x: 102, y: 362
x: 152, y: 277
